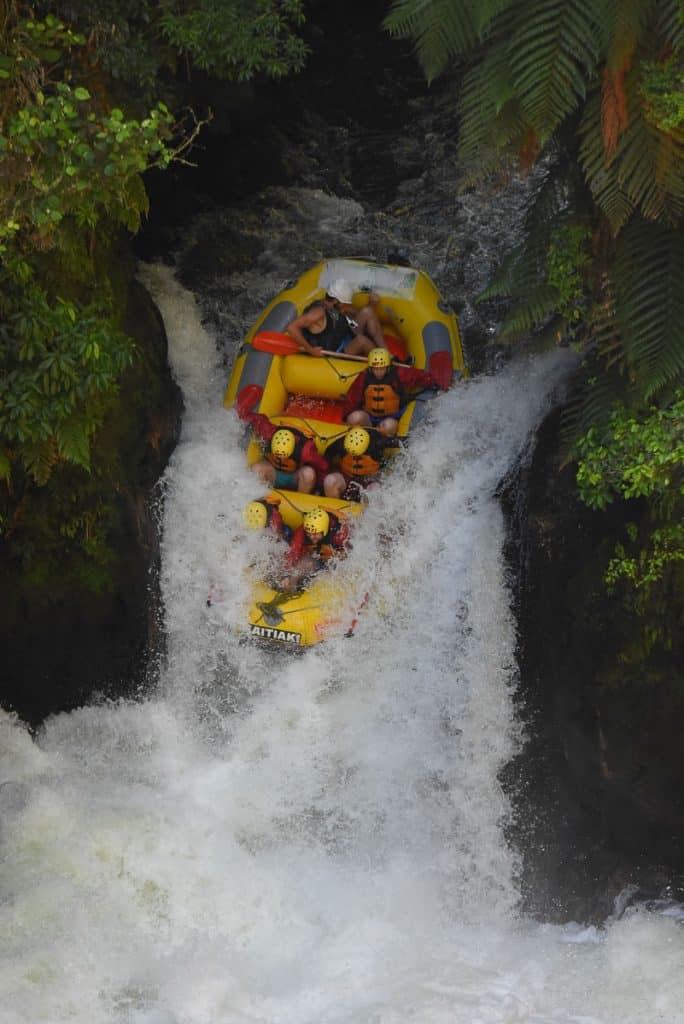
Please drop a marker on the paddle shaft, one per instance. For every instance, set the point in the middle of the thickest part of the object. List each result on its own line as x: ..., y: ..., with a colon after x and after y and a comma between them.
x: 282, y: 345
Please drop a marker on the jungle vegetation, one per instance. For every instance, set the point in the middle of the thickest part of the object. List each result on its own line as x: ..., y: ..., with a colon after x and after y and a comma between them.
x: 87, y: 92
x: 590, y: 93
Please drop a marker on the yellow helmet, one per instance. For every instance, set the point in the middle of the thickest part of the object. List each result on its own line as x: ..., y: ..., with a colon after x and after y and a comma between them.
x: 316, y: 520
x: 356, y: 441
x: 255, y: 515
x: 379, y: 357
x: 283, y: 443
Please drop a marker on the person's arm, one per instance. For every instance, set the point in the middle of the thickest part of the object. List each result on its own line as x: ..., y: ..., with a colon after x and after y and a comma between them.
x: 354, y: 396
x: 277, y: 524
x: 312, y: 457
x: 340, y: 539
x: 296, y: 548
x: 416, y: 380
x: 260, y: 424
x: 294, y: 329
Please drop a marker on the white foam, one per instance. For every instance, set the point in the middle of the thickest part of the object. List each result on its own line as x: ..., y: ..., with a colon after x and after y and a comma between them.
x: 318, y: 839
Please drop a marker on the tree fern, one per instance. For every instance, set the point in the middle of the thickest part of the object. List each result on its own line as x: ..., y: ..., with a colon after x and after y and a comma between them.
x: 649, y: 271
x: 529, y: 312
x: 645, y: 171
x: 73, y: 440
x: 669, y: 23
x: 492, y: 121
x: 40, y: 458
x: 442, y: 30
x: 553, y: 52
x: 625, y: 22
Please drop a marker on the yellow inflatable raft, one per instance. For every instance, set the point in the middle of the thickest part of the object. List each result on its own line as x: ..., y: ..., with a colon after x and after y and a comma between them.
x: 303, y: 618
x: 307, y: 392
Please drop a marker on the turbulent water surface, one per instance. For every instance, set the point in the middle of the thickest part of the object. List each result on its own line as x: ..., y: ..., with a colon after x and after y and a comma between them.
x: 315, y: 839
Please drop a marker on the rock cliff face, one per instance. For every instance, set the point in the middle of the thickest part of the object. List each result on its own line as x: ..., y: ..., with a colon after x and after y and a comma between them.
x: 64, y: 643
x: 597, y: 790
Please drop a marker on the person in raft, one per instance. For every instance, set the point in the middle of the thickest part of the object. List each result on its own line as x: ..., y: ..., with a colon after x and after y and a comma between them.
x: 378, y: 397
x: 333, y: 324
x: 291, y: 459
x: 264, y: 514
x: 322, y: 536
x: 356, y: 460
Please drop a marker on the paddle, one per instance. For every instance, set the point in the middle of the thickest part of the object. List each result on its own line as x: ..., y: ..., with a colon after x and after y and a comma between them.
x: 283, y: 345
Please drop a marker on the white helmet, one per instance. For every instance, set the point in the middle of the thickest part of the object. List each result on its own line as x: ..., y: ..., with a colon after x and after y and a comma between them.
x: 341, y: 290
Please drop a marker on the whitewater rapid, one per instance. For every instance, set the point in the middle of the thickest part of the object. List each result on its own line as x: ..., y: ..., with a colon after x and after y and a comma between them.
x: 319, y: 839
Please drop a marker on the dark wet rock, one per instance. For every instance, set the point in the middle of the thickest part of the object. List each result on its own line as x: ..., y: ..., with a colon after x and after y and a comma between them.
x: 65, y: 643
x: 597, y: 793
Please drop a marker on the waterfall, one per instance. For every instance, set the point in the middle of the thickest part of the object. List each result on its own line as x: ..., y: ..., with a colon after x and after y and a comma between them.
x: 318, y: 838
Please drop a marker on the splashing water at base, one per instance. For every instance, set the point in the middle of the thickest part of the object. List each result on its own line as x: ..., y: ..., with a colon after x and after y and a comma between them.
x: 316, y: 839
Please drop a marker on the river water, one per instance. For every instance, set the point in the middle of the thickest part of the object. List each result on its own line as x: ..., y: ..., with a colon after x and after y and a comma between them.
x: 315, y: 839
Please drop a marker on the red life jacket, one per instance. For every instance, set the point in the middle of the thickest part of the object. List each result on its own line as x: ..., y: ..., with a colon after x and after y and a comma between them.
x: 384, y: 397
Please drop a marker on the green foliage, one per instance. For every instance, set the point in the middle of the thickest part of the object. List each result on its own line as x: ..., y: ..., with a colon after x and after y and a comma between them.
x: 61, y: 369
x: 649, y: 302
x: 640, y: 458
x: 80, y: 123
x: 137, y: 42
x: 665, y: 547
x: 71, y: 170
x: 567, y: 259
x: 643, y: 172
x: 662, y: 87
x: 70, y: 167
x: 237, y: 40
x: 635, y: 457
x: 546, y: 278
x: 596, y: 90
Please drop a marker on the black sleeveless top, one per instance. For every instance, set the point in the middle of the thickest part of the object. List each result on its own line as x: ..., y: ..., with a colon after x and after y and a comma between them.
x: 336, y: 329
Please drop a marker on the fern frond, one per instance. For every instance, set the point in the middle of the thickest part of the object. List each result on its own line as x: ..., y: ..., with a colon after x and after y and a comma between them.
x: 589, y: 406
x: 646, y: 171
x: 651, y: 170
x: 669, y: 22
x: 73, y: 440
x: 551, y: 200
x: 614, y: 116
x: 553, y: 52
x: 602, y: 178
x: 40, y: 458
x: 625, y: 23
x: 492, y: 123
x: 441, y: 30
x: 5, y: 465
x: 648, y: 276
x: 530, y: 312
x: 503, y: 282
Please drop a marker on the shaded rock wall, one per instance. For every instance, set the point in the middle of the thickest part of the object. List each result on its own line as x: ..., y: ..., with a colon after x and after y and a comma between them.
x: 62, y: 643
x: 597, y: 790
